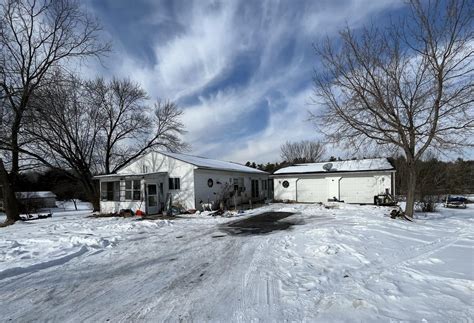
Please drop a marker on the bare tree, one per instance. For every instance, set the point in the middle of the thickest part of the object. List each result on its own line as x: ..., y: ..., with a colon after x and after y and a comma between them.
x: 96, y: 127
x: 305, y: 151
x: 131, y: 127
x: 407, y: 87
x: 64, y: 131
x: 36, y: 36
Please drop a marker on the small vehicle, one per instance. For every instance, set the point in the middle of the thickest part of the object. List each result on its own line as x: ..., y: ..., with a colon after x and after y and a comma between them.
x: 455, y: 201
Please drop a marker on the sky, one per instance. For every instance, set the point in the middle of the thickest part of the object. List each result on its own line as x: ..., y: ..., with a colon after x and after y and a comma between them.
x: 240, y: 70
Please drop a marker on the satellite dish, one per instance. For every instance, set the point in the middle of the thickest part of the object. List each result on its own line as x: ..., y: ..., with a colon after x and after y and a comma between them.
x: 327, y: 167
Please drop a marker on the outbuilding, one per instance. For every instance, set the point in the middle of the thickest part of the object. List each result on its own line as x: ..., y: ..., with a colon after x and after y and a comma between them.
x: 157, y: 179
x: 351, y: 181
x: 37, y: 200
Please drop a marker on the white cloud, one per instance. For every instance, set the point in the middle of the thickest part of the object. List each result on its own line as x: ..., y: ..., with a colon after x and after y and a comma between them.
x: 278, y: 35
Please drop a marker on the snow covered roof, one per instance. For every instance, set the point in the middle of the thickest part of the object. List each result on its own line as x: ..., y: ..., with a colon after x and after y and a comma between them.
x: 207, y: 163
x: 36, y: 195
x: 127, y: 175
x: 359, y: 165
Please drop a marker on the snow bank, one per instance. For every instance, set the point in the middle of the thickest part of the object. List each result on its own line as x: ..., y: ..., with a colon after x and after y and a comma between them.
x: 39, y: 244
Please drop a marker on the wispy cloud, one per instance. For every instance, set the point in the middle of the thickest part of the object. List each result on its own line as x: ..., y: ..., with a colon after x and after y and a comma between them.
x: 241, y: 70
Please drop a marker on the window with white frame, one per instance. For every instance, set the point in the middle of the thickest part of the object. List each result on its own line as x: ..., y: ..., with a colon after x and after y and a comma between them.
x: 110, y: 191
x: 174, y: 183
x: 133, y: 190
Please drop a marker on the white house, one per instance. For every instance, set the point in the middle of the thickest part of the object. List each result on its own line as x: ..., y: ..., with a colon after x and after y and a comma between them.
x: 148, y: 182
x: 351, y: 181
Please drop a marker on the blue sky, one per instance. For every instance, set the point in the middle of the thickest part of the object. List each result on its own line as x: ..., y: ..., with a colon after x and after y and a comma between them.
x: 241, y: 70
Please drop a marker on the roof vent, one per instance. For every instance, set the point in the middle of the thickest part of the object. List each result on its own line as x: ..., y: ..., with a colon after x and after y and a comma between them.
x: 327, y: 167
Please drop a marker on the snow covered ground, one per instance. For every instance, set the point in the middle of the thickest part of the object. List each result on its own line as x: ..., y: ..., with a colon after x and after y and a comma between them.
x: 347, y: 263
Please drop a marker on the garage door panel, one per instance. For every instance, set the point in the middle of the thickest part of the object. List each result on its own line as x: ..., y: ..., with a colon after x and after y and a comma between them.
x: 311, y: 190
x: 359, y: 189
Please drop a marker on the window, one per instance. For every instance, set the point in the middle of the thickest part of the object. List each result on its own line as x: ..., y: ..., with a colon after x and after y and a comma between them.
x: 285, y: 184
x: 110, y: 191
x: 133, y: 190
x: 255, y: 191
x: 264, y: 185
x: 174, y: 184
x: 239, y: 185
x: 210, y: 182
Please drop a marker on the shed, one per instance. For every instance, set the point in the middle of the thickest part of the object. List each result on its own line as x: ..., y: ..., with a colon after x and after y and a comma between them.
x: 41, y: 199
x: 351, y: 181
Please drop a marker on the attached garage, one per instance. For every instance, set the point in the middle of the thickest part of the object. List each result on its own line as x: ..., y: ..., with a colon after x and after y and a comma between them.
x: 358, y: 189
x: 311, y: 189
x: 351, y: 181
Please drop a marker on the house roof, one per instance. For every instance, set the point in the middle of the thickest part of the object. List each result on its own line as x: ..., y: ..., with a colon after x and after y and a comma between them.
x: 359, y: 165
x: 128, y: 175
x: 36, y: 195
x: 207, y: 163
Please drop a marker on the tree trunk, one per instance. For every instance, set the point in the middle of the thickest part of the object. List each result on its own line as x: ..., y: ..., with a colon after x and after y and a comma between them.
x: 95, y: 202
x: 11, y: 203
x: 411, y: 188
x: 92, y: 194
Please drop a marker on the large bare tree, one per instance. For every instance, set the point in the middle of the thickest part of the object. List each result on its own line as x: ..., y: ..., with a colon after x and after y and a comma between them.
x: 36, y: 37
x: 405, y: 87
x: 305, y: 151
x: 96, y: 127
x: 131, y: 126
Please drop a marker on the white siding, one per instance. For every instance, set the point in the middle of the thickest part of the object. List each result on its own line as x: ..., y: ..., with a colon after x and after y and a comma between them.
x: 311, y: 190
x: 156, y: 162
x: 221, y: 179
x: 284, y: 194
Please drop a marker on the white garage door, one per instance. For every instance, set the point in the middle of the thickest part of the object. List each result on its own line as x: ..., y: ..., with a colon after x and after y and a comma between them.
x: 311, y: 190
x: 360, y: 189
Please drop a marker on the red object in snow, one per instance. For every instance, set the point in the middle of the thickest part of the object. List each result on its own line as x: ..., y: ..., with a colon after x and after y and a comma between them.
x: 139, y: 213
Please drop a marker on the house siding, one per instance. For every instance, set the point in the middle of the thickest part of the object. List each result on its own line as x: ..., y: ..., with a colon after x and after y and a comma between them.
x: 221, y: 179
x: 156, y: 162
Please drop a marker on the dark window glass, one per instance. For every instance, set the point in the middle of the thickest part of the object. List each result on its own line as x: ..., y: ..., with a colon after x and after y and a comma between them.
x: 255, y: 190
x: 152, y: 189
x: 136, y: 185
x: 137, y: 195
x: 174, y: 184
x: 109, y: 191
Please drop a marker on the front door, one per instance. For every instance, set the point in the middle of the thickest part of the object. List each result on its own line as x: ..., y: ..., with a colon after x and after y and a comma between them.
x: 152, y: 199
